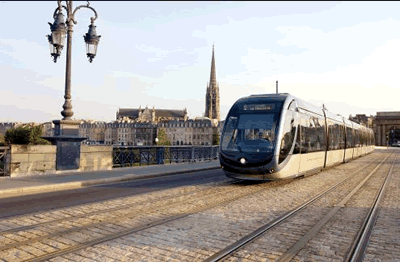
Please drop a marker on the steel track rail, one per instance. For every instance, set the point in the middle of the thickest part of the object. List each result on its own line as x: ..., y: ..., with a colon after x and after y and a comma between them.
x: 359, y: 247
x: 252, y: 236
x: 293, y: 250
x: 146, y: 226
x: 148, y: 210
x: 88, y: 203
x: 107, y: 210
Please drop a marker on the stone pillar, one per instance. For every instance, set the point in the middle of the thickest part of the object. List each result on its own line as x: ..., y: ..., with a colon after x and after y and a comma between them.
x: 66, y: 138
x: 384, y: 135
x: 377, y: 135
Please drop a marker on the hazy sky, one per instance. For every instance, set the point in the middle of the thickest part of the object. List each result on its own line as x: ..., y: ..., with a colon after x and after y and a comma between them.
x: 343, y: 54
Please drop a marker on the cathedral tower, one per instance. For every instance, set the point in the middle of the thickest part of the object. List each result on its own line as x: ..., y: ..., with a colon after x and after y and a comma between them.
x: 212, y: 94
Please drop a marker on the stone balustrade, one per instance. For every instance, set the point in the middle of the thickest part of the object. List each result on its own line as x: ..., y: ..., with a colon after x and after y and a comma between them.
x: 28, y: 160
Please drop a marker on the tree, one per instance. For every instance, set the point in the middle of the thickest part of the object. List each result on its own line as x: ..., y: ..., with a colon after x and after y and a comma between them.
x: 25, y: 135
x: 162, y: 138
x: 215, y: 138
x: 2, y: 141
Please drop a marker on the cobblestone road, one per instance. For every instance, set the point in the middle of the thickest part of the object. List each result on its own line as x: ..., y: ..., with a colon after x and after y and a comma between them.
x: 211, y: 217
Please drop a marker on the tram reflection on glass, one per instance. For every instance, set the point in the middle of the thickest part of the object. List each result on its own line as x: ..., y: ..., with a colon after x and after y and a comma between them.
x: 279, y: 136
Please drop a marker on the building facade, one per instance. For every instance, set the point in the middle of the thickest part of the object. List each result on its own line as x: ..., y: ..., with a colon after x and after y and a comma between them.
x: 7, y: 125
x: 364, y: 120
x: 130, y: 133
x: 387, y: 127
x: 93, y: 131
x: 192, y: 132
x: 153, y: 115
x: 48, y: 129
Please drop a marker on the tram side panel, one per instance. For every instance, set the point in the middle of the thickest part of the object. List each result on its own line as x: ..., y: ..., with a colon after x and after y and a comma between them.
x: 312, y: 141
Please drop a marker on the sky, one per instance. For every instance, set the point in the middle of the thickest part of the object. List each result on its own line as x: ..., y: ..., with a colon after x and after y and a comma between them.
x: 342, y: 54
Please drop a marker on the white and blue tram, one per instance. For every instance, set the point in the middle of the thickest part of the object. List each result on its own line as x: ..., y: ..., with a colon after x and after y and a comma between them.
x: 278, y: 136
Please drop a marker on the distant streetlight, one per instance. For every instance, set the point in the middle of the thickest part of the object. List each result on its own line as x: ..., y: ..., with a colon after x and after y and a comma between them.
x: 156, y: 140
x: 60, y: 29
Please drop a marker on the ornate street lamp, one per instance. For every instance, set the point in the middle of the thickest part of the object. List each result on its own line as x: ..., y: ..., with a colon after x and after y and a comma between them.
x: 58, y: 33
x: 91, y: 40
x: 59, y: 29
x: 66, y: 131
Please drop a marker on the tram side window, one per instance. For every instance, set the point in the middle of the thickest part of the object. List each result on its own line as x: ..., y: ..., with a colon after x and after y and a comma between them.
x: 342, y: 141
x: 314, y: 140
x: 356, y: 138
x: 289, y: 129
x: 370, y: 136
x: 311, y: 135
x: 350, y: 137
x: 336, y: 136
x: 365, y: 137
x: 321, y: 139
x: 228, y: 140
x: 361, y: 138
x: 332, y: 134
x: 304, y: 133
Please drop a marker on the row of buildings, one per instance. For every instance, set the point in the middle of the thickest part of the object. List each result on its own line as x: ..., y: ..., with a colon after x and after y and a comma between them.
x: 180, y: 130
x: 199, y: 131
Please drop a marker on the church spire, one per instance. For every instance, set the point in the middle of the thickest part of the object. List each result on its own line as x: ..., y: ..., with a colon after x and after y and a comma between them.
x: 213, y: 76
x: 212, y: 94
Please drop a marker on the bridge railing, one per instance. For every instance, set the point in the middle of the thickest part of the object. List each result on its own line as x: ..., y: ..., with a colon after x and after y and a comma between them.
x: 156, y: 155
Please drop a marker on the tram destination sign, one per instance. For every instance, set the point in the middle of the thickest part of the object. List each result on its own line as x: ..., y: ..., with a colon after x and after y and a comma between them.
x: 253, y: 107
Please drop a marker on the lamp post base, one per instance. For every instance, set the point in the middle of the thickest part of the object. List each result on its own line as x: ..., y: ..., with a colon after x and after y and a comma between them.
x: 66, y: 127
x: 66, y: 138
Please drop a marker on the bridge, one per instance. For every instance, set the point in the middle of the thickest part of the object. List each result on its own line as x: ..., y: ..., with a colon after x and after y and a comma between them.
x: 189, y: 211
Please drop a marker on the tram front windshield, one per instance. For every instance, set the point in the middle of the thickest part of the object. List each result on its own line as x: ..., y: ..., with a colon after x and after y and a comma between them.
x: 255, y: 132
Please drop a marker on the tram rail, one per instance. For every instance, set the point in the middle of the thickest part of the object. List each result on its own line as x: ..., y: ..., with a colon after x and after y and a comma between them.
x: 105, y: 210
x: 160, y: 213
x: 294, y: 249
x: 359, y: 247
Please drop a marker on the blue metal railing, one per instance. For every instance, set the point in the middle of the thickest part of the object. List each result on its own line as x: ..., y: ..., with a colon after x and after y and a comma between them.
x: 156, y: 155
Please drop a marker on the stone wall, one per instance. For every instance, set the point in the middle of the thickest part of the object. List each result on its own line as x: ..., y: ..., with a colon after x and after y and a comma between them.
x: 96, y: 158
x: 32, y: 160
x: 28, y: 160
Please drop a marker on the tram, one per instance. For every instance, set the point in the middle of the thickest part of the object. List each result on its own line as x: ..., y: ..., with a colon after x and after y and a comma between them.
x: 279, y: 136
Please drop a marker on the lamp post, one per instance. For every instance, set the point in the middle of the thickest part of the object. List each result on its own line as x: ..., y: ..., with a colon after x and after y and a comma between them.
x: 66, y: 130
x: 59, y: 29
